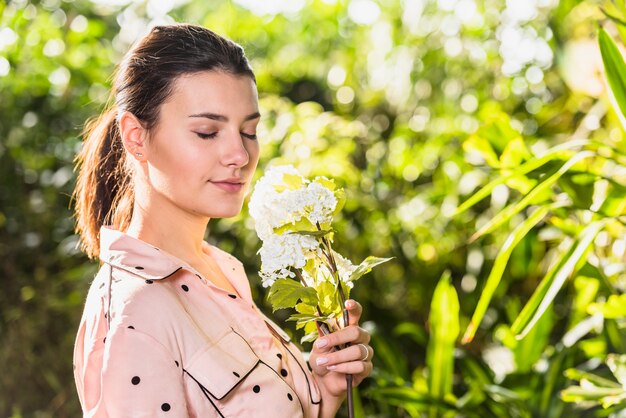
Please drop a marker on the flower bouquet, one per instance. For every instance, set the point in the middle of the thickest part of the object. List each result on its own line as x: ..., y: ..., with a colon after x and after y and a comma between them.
x: 293, y: 218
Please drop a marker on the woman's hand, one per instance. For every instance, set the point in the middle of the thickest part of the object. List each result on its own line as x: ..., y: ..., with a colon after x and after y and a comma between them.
x: 330, y: 366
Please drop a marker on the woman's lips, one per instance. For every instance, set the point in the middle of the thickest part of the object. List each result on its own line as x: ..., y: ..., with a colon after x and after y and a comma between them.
x: 227, y: 186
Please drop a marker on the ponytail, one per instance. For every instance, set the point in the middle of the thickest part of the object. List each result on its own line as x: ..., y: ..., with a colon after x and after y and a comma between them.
x: 104, y: 193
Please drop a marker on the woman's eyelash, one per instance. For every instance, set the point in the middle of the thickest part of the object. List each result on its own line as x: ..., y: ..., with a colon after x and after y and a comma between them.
x: 214, y: 134
x: 206, y: 136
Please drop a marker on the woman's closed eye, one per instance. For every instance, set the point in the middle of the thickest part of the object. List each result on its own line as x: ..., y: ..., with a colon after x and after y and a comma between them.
x: 212, y: 135
x: 203, y: 135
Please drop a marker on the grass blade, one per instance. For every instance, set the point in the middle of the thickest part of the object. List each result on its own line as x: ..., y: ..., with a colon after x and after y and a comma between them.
x: 554, y: 280
x: 444, y: 325
x: 558, y: 152
x: 615, y: 68
x: 514, y: 208
x: 499, y: 265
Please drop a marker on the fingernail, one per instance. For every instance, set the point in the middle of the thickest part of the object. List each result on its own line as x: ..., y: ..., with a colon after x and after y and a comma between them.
x: 321, y: 343
x: 321, y: 360
x: 333, y: 367
x: 350, y: 304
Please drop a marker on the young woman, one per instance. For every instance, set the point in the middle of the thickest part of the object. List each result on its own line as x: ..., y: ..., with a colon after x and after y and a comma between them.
x: 169, y: 327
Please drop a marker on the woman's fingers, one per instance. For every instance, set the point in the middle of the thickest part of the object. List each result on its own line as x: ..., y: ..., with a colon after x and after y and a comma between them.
x: 355, y: 353
x: 352, y: 334
x: 357, y: 368
x: 354, y: 311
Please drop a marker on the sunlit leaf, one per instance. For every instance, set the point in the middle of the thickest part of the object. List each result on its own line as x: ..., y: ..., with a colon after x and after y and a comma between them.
x: 614, y: 307
x: 617, y: 364
x: 615, y: 69
x: 498, y: 268
x: 366, y: 266
x: 286, y: 293
x: 559, y: 152
x: 554, y: 280
x: 514, y: 208
x: 444, y: 330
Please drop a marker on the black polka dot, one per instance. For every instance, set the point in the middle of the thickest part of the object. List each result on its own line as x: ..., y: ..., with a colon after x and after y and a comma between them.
x: 104, y: 340
x: 165, y: 407
x: 149, y: 281
x: 283, y: 373
x: 280, y: 356
x: 289, y: 397
x: 236, y: 374
x: 101, y: 286
x: 176, y: 363
x: 185, y: 288
x: 139, y: 267
x: 233, y: 269
x: 232, y: 296
x: 131, y: 327
x: 106, y: 315
x: 135, y: 380
x: 256, y: 388
x: 198, y: 276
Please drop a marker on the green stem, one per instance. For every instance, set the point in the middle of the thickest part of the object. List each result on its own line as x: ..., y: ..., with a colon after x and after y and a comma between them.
x: 346, y: 316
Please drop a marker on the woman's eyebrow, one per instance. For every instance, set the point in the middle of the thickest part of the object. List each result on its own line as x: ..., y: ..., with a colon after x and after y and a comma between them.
x: 223, y: 118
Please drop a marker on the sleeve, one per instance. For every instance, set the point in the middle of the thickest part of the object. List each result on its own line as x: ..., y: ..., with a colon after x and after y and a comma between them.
x: 138, y: 378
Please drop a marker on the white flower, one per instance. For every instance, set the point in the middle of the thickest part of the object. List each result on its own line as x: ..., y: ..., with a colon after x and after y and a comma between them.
x: 345, y: 268
x: 279, y: 253
x: 282, y: 196
x: 265, y: 204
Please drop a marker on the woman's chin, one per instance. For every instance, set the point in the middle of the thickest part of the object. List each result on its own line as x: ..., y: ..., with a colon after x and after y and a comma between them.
x: 223, y: 212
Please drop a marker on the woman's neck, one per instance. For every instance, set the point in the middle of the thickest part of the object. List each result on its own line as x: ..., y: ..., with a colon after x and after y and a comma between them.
x: 178, y: 234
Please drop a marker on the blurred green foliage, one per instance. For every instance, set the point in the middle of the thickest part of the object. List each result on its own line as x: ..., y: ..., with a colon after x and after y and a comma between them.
x: 413, y: 106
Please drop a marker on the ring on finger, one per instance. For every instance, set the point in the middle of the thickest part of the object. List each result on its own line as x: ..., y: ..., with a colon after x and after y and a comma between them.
x: 367, y: 352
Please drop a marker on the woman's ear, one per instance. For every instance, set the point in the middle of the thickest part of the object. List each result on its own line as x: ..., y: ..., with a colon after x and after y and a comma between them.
x: 133, y: 136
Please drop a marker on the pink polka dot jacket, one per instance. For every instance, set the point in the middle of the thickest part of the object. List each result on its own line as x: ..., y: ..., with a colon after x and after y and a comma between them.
x: 159, y: 340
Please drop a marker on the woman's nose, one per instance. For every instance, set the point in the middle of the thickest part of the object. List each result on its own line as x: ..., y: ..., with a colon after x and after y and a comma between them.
x: 234, y: 152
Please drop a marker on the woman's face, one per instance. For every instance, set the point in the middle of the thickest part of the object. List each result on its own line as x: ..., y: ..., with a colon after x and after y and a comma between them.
x: 203, y: 152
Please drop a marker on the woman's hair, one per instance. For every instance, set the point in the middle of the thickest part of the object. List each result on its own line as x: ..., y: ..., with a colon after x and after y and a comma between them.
x: 143, y: 82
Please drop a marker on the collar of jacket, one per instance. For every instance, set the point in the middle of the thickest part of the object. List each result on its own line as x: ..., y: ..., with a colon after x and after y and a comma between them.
x: 149, y: 262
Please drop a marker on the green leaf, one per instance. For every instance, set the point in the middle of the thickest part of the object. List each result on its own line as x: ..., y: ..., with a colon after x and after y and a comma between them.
x: 340, y: 195
x: 309, y: 337
x: 286, y: 293
x: 444, y: 326
x: 554, y: 280
x: 498, y: 268
x: 606, y: 396
x: 514, y: 208
x: 302, y: 319
x: 328, y: 298
x: 590, y: 378
x: 299, y: 226
x: 617, y: 364
x: 615, y: 68
x: 292, y: 182
x: 614, y: 18
x: 559, y: 152
x: 326, y: 182
x: 366, y: 266
x: 514, y: 154
x: 316, y: 234
x: 613, y: 308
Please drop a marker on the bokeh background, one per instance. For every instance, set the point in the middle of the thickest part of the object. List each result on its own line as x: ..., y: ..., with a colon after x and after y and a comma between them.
x: 412, y: 106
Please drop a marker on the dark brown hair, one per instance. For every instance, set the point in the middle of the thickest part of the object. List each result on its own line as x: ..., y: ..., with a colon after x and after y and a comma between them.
x: 144, y: 80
